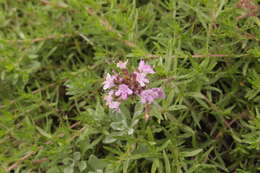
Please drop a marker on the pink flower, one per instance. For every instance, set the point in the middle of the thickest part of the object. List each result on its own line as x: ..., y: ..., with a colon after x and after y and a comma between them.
x: 114, y: 105
x: 109, y: 82
x: 122, y: 65
x: 123, y: 91
x: 159, y: 92
x: 111, y: 103
x: 141, y: 78
x: 120, y: 86
x: 148, y: 96
x: 145, y: 68
x: 108, y: 98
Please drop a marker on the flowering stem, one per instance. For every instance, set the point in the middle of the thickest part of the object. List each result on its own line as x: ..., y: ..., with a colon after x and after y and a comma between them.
x: 147, y: 110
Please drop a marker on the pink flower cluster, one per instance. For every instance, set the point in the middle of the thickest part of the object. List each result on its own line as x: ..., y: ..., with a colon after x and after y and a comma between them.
x: 125, y: 84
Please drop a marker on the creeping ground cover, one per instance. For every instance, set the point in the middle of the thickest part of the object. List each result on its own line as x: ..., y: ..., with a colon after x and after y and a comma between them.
x: 129, y: 86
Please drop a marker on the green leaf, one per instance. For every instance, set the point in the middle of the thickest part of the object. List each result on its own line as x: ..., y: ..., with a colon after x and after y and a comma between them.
x: 96, y: 163
x: 155, y: 165
x: 120, y: 126
x: 191, y: 153
x: 125, y: 166
x: 68, y: 170
x: 166, y: 162
x: 82, y: 166
x: 109, y: 139
x: 177, y: 107
x: 76, y: 156
x: 53, y: 170
x: 42, y: 132
x: 254, y: 52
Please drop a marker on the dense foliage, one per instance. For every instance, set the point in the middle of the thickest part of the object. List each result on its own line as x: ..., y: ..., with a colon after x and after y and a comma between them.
x: 54, y: 55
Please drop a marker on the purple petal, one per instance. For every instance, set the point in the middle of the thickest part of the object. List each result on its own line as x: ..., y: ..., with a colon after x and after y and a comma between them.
x: 159, y: 92
x: 145, y: 68
x: 148, y: 96
x: 141, y: 78
x: 114, y: 105
x: 122, y: 65
x: 109, y: 82
x: 123, y: 91
x: 110, y: 102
